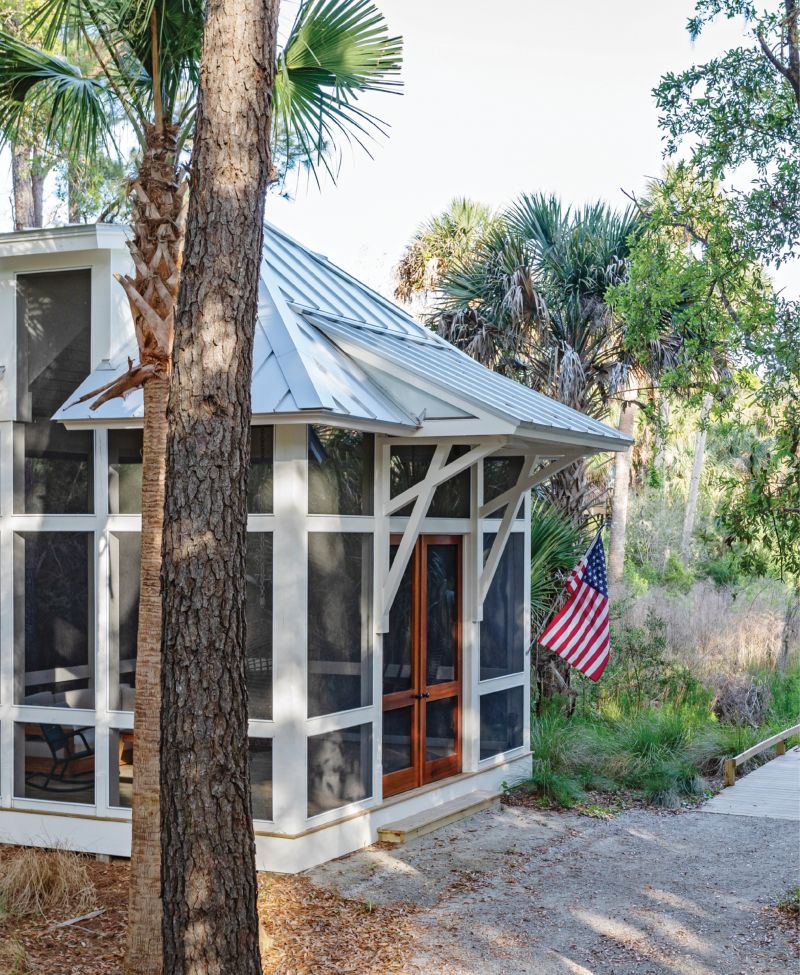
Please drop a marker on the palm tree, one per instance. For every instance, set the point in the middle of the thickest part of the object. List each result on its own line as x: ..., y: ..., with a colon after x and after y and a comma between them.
x: 144, y: 57
x: 446, y: 239
x: 531, y: 303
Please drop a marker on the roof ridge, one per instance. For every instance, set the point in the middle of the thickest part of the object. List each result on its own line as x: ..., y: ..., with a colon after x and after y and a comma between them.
x: 364, y: 288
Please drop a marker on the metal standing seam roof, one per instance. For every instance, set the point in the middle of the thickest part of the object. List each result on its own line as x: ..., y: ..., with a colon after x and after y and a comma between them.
x: 318, y: 335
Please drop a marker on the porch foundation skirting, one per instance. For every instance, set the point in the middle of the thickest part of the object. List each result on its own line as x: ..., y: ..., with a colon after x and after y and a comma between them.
x: 274, y: 852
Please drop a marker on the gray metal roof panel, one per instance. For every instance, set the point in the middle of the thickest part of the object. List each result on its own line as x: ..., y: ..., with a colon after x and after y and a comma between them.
x: 318, y: 334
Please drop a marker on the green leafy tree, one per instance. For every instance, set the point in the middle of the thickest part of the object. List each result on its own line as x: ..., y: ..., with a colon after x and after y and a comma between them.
x: 728, y: 209
x: 139, y: 60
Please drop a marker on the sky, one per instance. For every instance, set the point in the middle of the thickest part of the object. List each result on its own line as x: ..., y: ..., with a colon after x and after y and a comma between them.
x: 499, y: 98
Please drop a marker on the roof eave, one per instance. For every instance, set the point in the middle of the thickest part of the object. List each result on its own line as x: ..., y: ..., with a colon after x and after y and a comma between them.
x: 593, y: 442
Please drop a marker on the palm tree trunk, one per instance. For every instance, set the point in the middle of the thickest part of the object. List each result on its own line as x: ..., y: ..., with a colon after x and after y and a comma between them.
x: 619, y: 502
x: 694, y: 483
x: 208, y: 850
x: 38, y: 173
x: 158, y: 220
x: 144, y: 895
x: 22, y: 180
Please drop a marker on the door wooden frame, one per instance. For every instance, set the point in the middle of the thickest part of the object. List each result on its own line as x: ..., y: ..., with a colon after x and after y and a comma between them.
x: 420, y: 694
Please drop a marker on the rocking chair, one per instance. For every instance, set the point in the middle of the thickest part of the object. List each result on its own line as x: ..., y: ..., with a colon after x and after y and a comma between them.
x: 61, y: 741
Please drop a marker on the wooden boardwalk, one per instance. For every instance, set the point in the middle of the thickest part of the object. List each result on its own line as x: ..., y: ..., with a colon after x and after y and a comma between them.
x: 772, y: 791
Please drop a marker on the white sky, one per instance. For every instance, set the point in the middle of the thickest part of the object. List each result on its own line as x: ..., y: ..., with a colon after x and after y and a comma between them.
x: 499, y: 98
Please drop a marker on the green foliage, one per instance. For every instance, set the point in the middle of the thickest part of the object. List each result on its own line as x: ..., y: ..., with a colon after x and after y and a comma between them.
x: 790, y: 904
x: 446, y: 240
x: 556, y: 547
x: 646, y: 728
x: 335, y: 51
x: 707, y: 236
x: 743, y: 108
x: 676, y: 574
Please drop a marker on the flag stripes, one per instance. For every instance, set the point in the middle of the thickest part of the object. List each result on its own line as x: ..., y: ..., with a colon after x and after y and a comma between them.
x: 579, y: 632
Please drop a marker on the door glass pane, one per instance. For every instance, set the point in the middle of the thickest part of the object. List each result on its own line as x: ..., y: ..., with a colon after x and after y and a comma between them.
x: 260, y: 750
x: 339, y: 768
x: 397, y: 650
x: 500, y: 474
x: 125, y: 471
x: 259, y: 481
x: 440, y: 728
x: 53, y: 607
x: 409, y: 465
x: 442, y: 613
x: 340, y: 469
x: 339, y: 621
x: 397, y: 739
x: 503, y: 624
x: 52, y: 465
x: 258, y: 606
x: 501, y: 721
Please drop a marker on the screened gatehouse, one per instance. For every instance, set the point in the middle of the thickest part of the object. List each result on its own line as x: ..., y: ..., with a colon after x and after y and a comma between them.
x: 387, y: 558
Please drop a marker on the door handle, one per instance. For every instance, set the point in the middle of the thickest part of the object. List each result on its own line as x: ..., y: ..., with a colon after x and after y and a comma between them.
x: 419, y: 697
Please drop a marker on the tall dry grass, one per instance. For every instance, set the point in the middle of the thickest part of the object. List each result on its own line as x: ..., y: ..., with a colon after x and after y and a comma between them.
x: 48, y: 883
x: 13, y: 957
x: 716, y: 629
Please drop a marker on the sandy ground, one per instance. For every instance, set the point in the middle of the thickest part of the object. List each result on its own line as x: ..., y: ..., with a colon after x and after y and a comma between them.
x: 509, y: 890
x: 516, y: 890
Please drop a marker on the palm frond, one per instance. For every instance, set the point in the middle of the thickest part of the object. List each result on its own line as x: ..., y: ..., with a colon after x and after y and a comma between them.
x: 336, y: 51
x: 75, y: 108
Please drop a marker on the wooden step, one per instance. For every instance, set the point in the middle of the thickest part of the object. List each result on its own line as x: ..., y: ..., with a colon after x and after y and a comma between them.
x: 436, y: 817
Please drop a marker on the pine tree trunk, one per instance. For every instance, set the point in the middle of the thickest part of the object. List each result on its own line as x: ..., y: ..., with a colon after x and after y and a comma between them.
x: 24, y: 209
x: 619, y: 502
x: 694, y: 483
x: 158, y: 220
x: 208, y: 851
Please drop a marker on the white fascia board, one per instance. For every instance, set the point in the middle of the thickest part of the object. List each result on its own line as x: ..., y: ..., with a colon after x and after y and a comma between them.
x: 591, y: 441
x: 59, y: 240
x: 321, y: 417
x: 524, y: 429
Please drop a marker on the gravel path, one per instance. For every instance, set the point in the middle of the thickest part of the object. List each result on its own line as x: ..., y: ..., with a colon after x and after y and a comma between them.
x: 515, y: 890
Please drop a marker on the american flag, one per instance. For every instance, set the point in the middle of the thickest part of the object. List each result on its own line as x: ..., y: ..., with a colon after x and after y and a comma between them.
x: 579, y: 632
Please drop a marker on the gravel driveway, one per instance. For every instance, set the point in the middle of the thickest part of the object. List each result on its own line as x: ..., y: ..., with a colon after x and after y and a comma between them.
x: 516, y: 890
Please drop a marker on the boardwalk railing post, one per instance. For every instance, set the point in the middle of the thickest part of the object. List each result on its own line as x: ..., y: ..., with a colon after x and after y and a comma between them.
x: 730, y: 771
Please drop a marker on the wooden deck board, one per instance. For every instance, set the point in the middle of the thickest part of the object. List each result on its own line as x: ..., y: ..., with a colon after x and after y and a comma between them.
x: 770, y: 792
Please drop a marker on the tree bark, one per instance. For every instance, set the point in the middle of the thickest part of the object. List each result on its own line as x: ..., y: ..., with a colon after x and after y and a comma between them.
x: 619, y: 501
x: 790, y: 638
x: 37, y: 190
x: 22, y: 179
x: 158, y: 220
x: 694, y: 483
x: 144, y: 893
x: 662, y: 435
x: 208, y: 854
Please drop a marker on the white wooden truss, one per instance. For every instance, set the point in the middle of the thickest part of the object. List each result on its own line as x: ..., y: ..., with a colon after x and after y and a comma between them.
x: 421, y: 495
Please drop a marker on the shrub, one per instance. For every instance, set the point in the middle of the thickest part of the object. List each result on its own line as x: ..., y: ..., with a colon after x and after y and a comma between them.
x: 676, y: 575
x: 741, y: 700
x: 50, y: 883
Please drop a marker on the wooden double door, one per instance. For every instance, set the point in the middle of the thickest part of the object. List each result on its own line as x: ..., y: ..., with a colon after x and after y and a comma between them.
x: 422, y: 662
